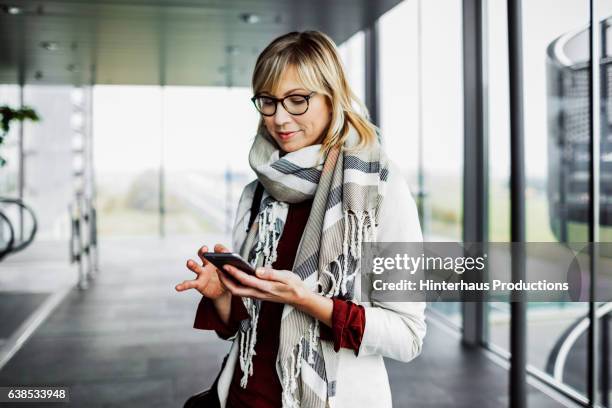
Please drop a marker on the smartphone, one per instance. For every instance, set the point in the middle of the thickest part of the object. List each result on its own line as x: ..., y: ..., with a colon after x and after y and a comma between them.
x: 219, y: 259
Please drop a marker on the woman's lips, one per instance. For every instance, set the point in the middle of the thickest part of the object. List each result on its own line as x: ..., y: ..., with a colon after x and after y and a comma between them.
x: 286, y: 135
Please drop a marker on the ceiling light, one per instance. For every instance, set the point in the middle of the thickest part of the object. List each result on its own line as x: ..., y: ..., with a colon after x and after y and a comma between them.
x: 249, y: 18
x: 13, y: 10
x: 50, y: 45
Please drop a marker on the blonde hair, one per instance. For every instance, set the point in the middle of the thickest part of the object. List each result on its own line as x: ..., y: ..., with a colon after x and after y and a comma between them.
x: 317, y: 63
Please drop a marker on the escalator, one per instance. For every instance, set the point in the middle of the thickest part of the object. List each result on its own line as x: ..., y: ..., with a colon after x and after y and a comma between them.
x: 18, y: 226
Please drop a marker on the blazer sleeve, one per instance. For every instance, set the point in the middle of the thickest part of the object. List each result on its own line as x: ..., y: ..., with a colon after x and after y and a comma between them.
x: 395, y: 329
x: 243, y: 213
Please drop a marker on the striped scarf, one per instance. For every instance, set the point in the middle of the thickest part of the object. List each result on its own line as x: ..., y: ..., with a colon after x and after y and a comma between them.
x: 347, y: 187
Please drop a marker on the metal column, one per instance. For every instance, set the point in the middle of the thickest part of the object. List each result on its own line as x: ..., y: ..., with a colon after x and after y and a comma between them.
x: 372, y: 81
x: 475, y: 169
x: 22, y: 157
x: 162, y: 84
x: 518, y: 309
x: 594, y: 178
x: 421, y: 193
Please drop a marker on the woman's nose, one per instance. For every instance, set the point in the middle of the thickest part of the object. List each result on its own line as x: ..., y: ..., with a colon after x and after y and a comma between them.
x: 281, y: 116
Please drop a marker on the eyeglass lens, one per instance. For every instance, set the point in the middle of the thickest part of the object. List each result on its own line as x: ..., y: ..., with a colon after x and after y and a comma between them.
x: 294, y: 104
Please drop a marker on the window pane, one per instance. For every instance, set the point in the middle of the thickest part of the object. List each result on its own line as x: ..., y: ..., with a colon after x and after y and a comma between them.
x: 352, y: 54
x: 127, y: 148
x: 437, y: 112
x: 553, y: 111
x: 206, y: 160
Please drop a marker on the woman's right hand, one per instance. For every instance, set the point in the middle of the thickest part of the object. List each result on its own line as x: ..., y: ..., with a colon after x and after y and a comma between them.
x: 207, y: 281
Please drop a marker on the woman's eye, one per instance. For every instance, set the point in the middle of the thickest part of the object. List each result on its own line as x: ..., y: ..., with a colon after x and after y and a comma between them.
x: 266, y: 102
x: 297, y: 100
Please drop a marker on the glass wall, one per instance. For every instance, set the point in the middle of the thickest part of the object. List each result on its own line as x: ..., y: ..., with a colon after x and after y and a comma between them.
x: 48, y: 166
x: 498, y: 131
x: 127, y: 155
x: 206, y: 156
x: 9, y: 172
x: 188, y: 133
x: 9, y: 150
x: 421, y: 91
x: 556, y: 129
x: 352, y: 52
x: 48, y: 157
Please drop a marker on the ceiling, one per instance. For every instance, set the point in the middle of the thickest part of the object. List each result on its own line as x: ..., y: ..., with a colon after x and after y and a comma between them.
x: 172, y: 42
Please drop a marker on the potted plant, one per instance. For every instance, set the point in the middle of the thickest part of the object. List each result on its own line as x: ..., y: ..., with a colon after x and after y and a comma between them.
x: 9, y: 115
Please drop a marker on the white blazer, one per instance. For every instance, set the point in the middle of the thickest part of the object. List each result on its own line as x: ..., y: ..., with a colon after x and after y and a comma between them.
x: 392, y: 329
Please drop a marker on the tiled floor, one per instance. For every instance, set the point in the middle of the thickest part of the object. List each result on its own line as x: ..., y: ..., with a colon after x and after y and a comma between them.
x: 128, y: 341
x: 15, y: 307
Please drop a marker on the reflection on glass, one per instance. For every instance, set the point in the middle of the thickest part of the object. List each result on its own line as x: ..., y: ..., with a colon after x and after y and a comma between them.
x: 437, y: 75
x: 556, y: 159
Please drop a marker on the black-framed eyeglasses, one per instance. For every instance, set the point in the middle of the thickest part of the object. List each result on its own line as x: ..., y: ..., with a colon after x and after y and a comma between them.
x: 295, y: 104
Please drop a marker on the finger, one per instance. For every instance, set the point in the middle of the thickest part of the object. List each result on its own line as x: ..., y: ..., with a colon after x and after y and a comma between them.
x: 201, y: 252
x: 221, y: 248
x: 228, y: 282
x: 270, y: 274
x: 248, y: 280
x: 238, y: 290
x: 194, y: 267
x: 188, y: 284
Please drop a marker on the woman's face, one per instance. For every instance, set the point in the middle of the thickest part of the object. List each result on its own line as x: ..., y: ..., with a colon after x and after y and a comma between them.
x: 292, y: 132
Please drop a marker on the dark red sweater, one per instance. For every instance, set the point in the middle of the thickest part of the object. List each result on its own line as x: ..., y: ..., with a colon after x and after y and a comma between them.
x: 264, y: 389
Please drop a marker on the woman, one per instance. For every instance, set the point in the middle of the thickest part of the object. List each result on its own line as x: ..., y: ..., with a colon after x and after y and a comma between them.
x: 300, y: 337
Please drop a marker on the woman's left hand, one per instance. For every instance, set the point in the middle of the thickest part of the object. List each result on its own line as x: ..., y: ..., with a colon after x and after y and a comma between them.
x: 268, y: 284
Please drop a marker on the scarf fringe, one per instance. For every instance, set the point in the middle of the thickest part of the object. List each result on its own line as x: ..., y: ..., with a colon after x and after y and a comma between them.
x: 247, y: 345
x: 268, y: 237
x: 358, y: 227
x: 291, y: 370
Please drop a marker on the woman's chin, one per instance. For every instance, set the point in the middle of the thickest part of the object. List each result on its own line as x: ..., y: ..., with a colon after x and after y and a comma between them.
x: 290, y: 146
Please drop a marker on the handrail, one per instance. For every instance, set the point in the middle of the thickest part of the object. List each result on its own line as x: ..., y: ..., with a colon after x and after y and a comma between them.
x: 15, y: 245
x: 558, y: 355
x: 23, y: 244
x: 9, y: 247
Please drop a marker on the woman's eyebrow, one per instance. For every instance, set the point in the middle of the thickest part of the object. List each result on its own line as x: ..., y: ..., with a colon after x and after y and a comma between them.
x: 286, y: 93
x: 293, y: 90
